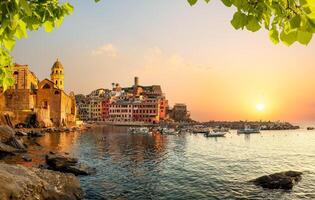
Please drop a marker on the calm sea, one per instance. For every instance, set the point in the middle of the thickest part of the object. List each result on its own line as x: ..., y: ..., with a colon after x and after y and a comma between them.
x: 187, y: 166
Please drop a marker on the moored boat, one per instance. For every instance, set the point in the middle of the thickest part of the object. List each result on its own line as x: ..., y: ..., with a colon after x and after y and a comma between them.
x: 215, y: 134
x: 169, y: 131
x: 138, y: 130
x: 248, y: 130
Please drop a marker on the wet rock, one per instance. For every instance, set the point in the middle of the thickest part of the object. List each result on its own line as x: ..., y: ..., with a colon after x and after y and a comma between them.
x: 35, y: 134
x: 80, y: 169
x: 18, y: 182
x: 6, y: 134
x: 67, y: 164
x: 7, y: 150
x: 283, y: 180
x: 17, y: 143
x: 20, y: 133
x: 60, y: 162
x: 27, y: 158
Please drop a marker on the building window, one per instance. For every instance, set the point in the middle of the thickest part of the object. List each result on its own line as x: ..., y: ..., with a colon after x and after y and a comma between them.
x: 46, y: 86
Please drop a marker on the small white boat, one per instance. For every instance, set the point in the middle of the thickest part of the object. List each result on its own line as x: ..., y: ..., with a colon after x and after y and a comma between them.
x: 169, y: 131
x: 138, y: 130
x: 201, y: 130
x: 215, y: 134
x: 248, y: 130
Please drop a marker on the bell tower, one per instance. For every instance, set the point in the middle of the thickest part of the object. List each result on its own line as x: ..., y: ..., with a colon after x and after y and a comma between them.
x: 57, y: 75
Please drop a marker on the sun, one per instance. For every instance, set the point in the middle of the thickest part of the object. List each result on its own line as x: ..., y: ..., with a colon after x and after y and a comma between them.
x: 260, y: 107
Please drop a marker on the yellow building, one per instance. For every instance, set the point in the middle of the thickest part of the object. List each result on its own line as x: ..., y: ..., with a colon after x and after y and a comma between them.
x: 45, y: 100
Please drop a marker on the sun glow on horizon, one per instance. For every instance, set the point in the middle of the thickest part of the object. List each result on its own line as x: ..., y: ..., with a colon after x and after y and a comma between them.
x: 260, y: 107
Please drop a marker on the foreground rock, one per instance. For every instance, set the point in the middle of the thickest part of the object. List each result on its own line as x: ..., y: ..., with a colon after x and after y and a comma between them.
x: 35, y: 134
x: 18, y: 182
x: 64, y: 163
x: 6, y: 134
x: 9, y: 143
x: 283, y: 180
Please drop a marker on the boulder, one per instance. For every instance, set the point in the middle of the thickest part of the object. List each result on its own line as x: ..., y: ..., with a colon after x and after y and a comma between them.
x: 27, y: 158
x: 35, y: 134
x: 59, y: 162
x: 80, y: 169
x: 67, y: 164
x: 6, y: 134
x: 6, y: 149
x: 20, y: 133
x: 282, y: 180
x: 18, y: 182
x: 17, y: 143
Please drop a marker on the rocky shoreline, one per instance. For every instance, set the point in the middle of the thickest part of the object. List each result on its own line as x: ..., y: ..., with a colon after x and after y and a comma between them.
x: 55, y: 179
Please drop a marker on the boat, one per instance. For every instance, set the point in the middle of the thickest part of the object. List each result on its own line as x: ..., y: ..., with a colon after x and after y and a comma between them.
x: 215, y: 134
x: 310, y: 128
x: 138, y: 130
x: 248, y: 130
x: 221, y: 130
x: 201, y: 130
x: 169, y: 131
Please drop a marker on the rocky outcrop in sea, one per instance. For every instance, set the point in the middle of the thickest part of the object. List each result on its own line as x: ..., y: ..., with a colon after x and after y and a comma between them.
x: 282, y: 180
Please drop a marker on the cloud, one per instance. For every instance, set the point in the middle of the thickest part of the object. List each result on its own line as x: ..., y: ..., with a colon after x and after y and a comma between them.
x: 108, y: 50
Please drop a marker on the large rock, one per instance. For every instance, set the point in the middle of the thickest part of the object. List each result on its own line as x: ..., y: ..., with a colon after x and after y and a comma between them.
x: 21, y: 183
x: 10, y: 144
x: 6, y: 134
x: 17, y: 143
x: 58, y: 162
x: 64, y: 163
x: 80, y: 169
x: 34, y: 133
x: 283, y: 180
x: 6, y: 150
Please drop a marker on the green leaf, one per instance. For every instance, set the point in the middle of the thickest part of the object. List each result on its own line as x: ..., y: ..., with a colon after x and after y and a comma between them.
x: 288, y: 38
x: 274, y: 36
x: 239, y: 20
x: 295, y: 21
x: 26, y: 7
x: 9, y: 44
x: 192, y: 2
x: 68, y: 7
x: 304, y: 37
x: 21, y: 30
x: 227, y: 3
x: 48, y: 26
x: 253, y: 24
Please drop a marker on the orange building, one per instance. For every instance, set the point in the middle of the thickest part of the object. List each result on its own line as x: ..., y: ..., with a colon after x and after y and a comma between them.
x: 45, y: 101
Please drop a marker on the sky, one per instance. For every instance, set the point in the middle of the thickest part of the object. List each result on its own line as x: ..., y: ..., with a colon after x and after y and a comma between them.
x: 192, y: 52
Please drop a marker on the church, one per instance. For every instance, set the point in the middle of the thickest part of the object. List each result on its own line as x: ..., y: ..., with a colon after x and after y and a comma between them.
x: 45, y: 101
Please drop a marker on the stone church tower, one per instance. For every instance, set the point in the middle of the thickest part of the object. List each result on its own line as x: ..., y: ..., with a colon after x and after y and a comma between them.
x: 57, y: 75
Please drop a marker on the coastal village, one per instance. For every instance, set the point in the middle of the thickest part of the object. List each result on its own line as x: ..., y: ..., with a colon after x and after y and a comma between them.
x: 33, y: 108
x: 35, y: 103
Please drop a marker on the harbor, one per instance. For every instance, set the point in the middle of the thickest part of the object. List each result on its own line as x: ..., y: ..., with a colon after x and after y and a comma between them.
x: 144, y: 166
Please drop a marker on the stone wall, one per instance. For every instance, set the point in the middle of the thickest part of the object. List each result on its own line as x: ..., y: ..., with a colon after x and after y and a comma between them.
x: 43, y: 117
x: 20, y: 99
x: 50, y: 97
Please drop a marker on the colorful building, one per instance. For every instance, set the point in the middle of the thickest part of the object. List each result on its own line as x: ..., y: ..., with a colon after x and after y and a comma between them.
x: 45, y: 101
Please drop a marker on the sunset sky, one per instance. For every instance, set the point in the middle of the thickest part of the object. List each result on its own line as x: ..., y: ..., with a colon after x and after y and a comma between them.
x: 192, y: 52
